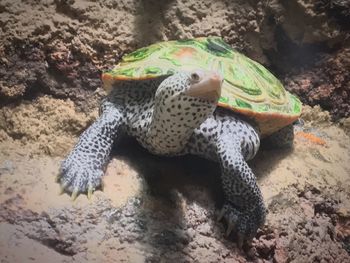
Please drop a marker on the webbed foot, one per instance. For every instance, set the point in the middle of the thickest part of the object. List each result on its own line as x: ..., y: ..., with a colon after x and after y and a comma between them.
x: 79, y: 176
x: 244, y: 224
x: 82, y: 170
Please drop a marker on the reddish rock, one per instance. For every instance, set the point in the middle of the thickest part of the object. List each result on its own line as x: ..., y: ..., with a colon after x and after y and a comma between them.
x: 326, y: 84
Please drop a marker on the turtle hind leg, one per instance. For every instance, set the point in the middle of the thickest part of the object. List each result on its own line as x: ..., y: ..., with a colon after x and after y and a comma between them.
x: 282, y: 138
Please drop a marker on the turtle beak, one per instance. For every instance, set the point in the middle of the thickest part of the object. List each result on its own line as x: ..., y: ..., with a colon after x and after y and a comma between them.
x: 208, y: 87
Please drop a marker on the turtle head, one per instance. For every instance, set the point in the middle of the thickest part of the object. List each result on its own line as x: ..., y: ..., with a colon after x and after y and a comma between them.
x: 182, y: 102
x: 201, y: 86
x: 204, y: 85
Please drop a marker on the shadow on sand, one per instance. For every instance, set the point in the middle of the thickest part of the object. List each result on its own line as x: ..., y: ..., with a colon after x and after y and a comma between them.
x: 168, y: 181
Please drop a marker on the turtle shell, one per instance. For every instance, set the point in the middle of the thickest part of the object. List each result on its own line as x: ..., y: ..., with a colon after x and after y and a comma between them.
x: 248, y: 87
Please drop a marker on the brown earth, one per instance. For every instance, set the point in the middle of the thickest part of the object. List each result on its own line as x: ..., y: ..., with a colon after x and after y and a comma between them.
x: 326, y: 84
x: 59, y: 47
x: 155, y: 209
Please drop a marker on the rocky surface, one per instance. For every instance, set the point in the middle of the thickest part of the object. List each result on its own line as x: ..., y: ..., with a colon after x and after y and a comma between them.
x: 326, y: 84
x: 60, y: 47
x: 156, y: 209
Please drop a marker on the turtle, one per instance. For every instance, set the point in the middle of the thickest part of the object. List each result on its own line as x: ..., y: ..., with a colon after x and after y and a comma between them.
x: 196, y: 96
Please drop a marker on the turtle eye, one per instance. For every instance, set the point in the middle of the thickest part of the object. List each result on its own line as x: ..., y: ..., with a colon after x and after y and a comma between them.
x: 195, y: 77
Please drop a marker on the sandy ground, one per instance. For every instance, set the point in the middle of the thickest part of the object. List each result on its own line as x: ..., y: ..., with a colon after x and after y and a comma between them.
x: 155, y: 209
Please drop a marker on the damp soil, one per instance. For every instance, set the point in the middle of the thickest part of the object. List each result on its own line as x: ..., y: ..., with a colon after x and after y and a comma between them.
x: 156, y: 209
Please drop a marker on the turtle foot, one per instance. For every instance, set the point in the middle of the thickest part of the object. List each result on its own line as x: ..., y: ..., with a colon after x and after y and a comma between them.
x: 78, y: 176
x: 243, y: 224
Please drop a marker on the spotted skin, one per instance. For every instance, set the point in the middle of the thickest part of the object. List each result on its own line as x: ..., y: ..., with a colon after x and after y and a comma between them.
x: 84, y: 166
x: 231, y: 141
x: 148, y: 111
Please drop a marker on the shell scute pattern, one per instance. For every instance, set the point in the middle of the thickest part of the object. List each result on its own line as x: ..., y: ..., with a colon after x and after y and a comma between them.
x: 249, y: 88
x: 141, y: 53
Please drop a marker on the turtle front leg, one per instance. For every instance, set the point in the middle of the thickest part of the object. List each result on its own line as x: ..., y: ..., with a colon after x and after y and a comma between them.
x: 83, y: 168
x: 244, y: 209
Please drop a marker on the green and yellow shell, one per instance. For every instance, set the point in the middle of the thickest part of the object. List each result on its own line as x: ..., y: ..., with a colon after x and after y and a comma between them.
x: 248, y: 87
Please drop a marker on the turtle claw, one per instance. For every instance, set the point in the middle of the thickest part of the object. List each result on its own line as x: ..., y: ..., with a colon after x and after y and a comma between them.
x: 221, y: 214
x: 102, y: 185
x: 57, y: 178
x: 75, y: 194
x: 90, y: 192
x: 79, y: 177
x: 240, y: 240
x: 230, y: 227
x: 243, y: 224
x: 62, y: 188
